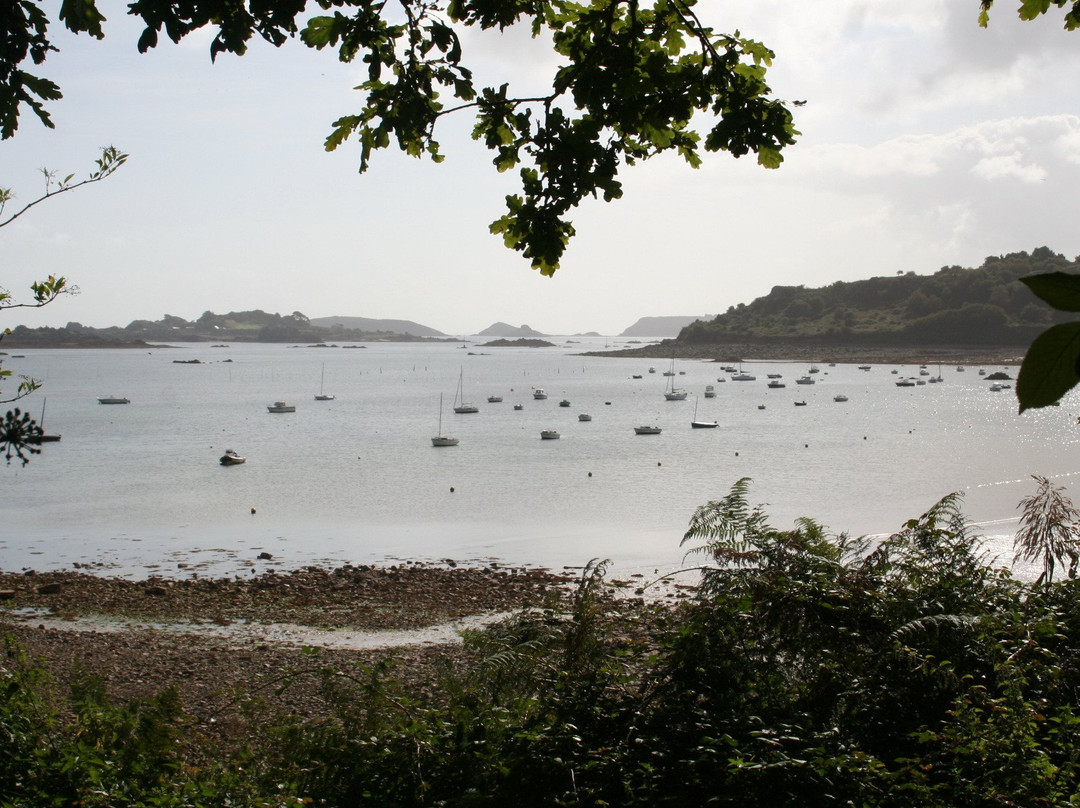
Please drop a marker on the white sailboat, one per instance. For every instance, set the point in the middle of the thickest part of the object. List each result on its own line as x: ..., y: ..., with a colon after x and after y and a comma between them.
x: 323, y: 396
x: 440, y: 439
x: 461, y: 406
x: 674, y: 393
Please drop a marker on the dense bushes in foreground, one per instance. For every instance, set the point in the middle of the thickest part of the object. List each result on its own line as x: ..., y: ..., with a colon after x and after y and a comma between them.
x: 808, y: 670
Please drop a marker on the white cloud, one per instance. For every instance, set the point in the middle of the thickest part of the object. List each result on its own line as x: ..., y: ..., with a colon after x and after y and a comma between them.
x: 1009, y: 166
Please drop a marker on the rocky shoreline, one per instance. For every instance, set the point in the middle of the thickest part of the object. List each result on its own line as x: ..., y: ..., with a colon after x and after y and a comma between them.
x: 140, y: 637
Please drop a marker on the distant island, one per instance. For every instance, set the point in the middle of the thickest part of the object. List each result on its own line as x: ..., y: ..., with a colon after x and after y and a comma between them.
x: 518, y: 343
x: 236, y: 326
x: 505, y: 330
x: 659, y: 326
x: 257, y: 326
x: 367, y: 325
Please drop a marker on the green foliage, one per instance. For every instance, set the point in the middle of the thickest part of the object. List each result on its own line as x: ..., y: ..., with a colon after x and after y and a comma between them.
x: 1049, y: 530
x: 809, y: 669
x: 633, y: 81
x: 140, y: 754
x: 1051, y: 366
x: 1031, y: 9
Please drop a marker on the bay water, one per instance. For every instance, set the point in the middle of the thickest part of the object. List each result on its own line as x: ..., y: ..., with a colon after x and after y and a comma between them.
x: 137, y: 489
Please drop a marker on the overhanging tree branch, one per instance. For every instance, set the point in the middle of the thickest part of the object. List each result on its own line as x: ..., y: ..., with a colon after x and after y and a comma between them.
x: 635, y: 78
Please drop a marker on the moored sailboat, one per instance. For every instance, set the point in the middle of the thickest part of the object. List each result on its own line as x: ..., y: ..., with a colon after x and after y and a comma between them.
x: 461, y: 406
x: 696, y: 424
x: 323, y: 396
x: 440, y: 439
x: 674, y: 393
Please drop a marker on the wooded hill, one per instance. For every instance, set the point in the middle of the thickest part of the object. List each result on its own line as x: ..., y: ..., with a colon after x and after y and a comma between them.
x: 958, y: 306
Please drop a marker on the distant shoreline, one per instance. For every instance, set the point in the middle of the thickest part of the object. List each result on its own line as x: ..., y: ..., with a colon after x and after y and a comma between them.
x: 824, y: 354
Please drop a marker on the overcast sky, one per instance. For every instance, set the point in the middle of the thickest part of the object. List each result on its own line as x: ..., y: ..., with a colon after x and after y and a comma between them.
x: 926, y: 141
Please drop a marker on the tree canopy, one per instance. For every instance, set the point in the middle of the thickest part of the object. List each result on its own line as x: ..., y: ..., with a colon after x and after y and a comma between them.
x: 634, y: 80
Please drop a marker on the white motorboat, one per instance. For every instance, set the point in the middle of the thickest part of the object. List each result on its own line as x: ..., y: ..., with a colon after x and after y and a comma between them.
x: 440, y: 439
x: 776, y: 384
x: 804, y: 380
x: 647, y: 430
x: 584, y: 417
x: 539, y: 394
x: 548, y: 434
x: 231, y: 458
x: 280, y: 406
x: 113, y: 400
x: 710, y: 391
x: 495, y: 399
x: 839, y: 397
x: 461, y: 406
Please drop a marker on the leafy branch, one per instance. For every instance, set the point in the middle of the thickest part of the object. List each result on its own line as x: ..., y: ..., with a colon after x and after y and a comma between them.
x: 107, y: 164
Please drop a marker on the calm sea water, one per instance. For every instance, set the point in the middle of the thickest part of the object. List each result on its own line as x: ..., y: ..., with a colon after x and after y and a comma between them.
x: 138, y: 487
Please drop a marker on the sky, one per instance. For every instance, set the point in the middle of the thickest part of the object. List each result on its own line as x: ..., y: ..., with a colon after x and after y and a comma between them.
x: 926, y: 141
